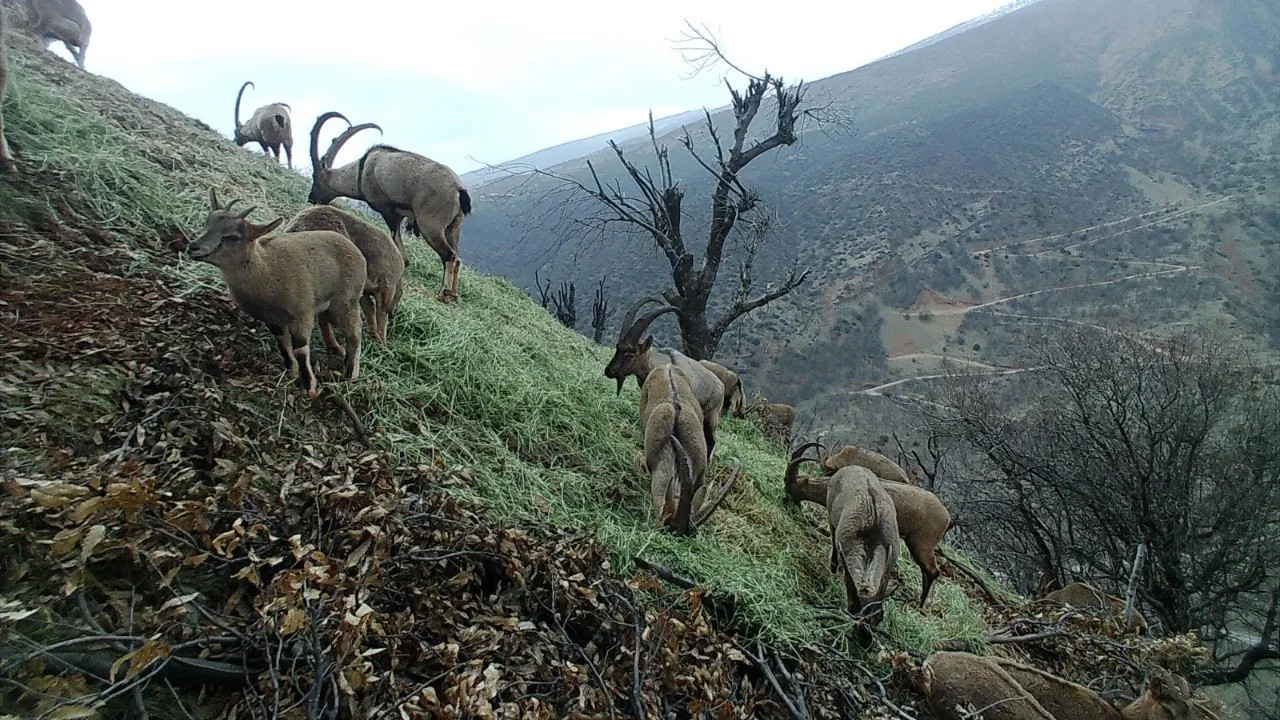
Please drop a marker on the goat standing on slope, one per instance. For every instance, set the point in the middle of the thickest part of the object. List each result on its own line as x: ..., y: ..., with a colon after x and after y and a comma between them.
x: 675, y: 454
x: 634, y: 357
x: 398, y: 185
x: 732, y: 387
x: 6, y: 159
x: 383, y: 260
x: 269, y: 126
x: 289, y: 281
x: 62, y: 20
x: 922, y: 518
x: 864, y: 530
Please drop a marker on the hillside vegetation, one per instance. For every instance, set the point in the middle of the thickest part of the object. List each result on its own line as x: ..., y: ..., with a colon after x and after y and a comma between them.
x: 159, y: 466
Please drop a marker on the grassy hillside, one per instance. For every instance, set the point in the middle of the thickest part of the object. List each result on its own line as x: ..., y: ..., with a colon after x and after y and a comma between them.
x: 512, y: 406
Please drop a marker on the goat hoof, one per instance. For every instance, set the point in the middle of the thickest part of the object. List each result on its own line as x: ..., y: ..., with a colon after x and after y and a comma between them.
x: 447, y: 297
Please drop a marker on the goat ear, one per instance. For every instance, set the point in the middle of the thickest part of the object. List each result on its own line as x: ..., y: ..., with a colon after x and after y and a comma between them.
x: 257, y: 231
x: 213, y: 199
x: 645, y: 345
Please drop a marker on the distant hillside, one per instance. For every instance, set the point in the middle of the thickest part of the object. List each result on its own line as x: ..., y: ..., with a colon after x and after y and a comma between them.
x: 1121, y: 154
x: 964, y: 27
x: 558, y: 154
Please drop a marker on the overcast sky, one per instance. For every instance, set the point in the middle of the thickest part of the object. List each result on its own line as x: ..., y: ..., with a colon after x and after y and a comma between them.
x: 472, y: 82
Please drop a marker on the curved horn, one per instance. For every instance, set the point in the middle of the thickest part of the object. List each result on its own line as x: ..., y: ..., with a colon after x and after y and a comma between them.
x: 238, y: 96
x: 315, y: 136
x: 798, y: 458
x: 684, y: 480
x: 342, y: 139
x: 630, y: 317
x: 638, y: 329
x: 233, y: 202
x: 213, y: 199
x: 245, y: 212
x: 286, y: 106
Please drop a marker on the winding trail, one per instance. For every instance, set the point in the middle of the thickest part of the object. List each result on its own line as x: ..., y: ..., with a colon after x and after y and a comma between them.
x: 948, y: 358
x: 1112, y: 223
x: 999, y: 301
x: 878, y: 388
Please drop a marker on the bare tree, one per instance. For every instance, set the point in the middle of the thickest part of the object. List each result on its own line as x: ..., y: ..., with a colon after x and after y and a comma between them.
x: 600, y: 312
x: 565, y: 306
x: 544, y: 291
x: 1124, y: 443
x: 652, y: 203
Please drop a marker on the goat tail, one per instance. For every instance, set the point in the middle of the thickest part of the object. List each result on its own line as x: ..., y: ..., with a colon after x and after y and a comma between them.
x: 464, y: 198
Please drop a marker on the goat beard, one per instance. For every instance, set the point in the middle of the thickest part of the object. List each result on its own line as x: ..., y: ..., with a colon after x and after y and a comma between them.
x: 621, y: 381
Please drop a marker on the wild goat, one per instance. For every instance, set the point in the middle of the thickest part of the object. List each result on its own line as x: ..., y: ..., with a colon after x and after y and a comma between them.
x: 675, y: 454
x: 957, y: 682
x: 289, y: 282
x: 864, y: 528
x: 634, y: 357
x: 399, y: 186
x: 777, y: 419
x: 732, y: 387
x: 62, y: 20
x: 883, y: 467
x: 922, y: 518
x: 384, y: 262
x: 6, y: 159
x: 269, y: 126
x: 1084, y: 595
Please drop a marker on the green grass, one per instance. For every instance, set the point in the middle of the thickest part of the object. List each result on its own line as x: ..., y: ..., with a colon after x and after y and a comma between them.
x: 493, y: 385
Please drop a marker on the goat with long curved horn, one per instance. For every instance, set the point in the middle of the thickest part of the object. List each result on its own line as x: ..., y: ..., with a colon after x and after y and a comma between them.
x: 398, y: 185
x: 270, y: 126
x: 635, y: 356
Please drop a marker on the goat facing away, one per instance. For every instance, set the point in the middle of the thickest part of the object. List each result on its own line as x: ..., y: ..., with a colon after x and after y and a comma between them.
x: 636, y: 357
x: 922, y: 518
x: 270, y: 126
x: 6, y: 158
x: 864, y: 529
x: 955, y: 682
x: 675, y: 454
x: 384, y: 262
x: 732, y: 387
x: 289, y: 282
x: 65, y: 21
x: 398, y: 185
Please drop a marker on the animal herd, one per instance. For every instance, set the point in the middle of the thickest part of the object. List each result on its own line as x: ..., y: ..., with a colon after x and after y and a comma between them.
x: 328, y: 268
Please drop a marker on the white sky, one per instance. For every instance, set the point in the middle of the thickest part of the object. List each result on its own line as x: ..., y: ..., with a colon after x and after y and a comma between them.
x: 484, y: 80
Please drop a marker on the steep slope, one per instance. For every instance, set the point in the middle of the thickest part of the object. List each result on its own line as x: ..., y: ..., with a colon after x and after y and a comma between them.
x: 1121, y: 156
x: 466, y: 547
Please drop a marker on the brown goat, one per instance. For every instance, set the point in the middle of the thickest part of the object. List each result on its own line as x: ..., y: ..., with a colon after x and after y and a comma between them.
x: 732, y: 387
x: 398, y: 185
x: 957, y: 683
x: 6, y: 158
x: 384, y: 284
x: 290, y: 283
x: 777, y: 419
x: 1082, y: 595
x: 62, y: 20
x: 883, y: 467
x: 270, y: 126
x: 675, y: 453
x: 635, y: 356
x: 864, y: 528
x: 922, y: 518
